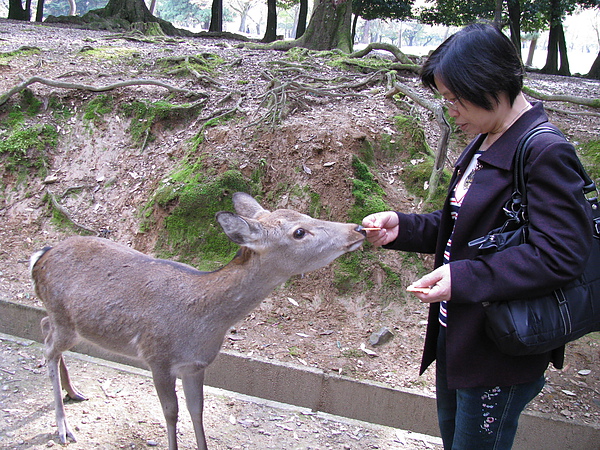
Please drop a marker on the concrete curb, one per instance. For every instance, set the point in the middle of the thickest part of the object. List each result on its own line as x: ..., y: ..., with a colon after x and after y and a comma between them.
x: 319, y: 391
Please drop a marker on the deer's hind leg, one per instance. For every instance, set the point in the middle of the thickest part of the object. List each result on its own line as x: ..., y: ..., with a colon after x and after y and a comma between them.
x: 66, y: 384
x: 55, y: 343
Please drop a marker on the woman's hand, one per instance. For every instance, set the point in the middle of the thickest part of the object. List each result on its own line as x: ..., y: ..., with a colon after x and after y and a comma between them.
x: 387, y: 221
x: 433, y: 287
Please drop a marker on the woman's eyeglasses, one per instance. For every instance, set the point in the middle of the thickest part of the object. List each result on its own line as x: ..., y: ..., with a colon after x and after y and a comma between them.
x: 451, y: 104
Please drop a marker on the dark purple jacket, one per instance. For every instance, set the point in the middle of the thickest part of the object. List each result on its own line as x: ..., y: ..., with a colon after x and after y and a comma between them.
x: 557, y: 249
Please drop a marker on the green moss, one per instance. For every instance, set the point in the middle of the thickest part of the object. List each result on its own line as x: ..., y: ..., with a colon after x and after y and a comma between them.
x: 191, y: 233
x: 25, y: 147
x: 417, y: 174
x: 190, y: 65
x: 413, y: 136
x: 27, y: 105
x: 295, y: 351
x: 259, y: 173
x: 367, y: 64
x: 409, y: 141
x: 418, y: 161
x: 297, y: 54
x: 6, y: 57
x: 315, y: 206
x: 13, y: 118
x: 353, y: 353
x: 110, y: 53
x: 368, y: 195
x: 143, y: 115
x: 60, y: 111
x: 390, y: 147
x: 30, y: 104
x: 97, y: 108
x: 198, y: 139
x: 590, y: 156
x: 355, y: 272
x: 366, y: 153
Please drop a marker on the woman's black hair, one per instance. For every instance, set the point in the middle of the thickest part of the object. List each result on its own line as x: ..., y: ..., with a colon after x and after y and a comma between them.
x: 476, y: 64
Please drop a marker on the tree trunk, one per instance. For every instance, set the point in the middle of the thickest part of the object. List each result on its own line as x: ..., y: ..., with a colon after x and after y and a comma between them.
x: 244, y: 18
x: 366, y: 33
x: 532, y: 46
x: 216, y: 16
x: 556, y: 44
x: 17, y: 12
x: 514, y: 16
x: 302, y: 16
x: 594, y: 72
x: 133, y: 11
x: 498, y: 13
x: 329, y: 27
x: 551, y: 65
x: 130, y: 10
x: 271, y: 31
x: 39, y: 14
x: 564, y: 57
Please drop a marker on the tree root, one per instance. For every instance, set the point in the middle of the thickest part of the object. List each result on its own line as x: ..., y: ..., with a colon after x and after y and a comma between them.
x: 571, y: 113
x: 221, y: 112
x: 591, y: 102
x: 58, y: 207
x: 184, y: 65
x: 398, y: 54
x: 65, y: 85
x: 138, y: 36
x: 23, y: 48
x: 284, y: 97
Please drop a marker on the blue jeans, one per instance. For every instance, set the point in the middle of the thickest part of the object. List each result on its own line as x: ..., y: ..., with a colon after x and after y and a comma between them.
x: 479, y: 418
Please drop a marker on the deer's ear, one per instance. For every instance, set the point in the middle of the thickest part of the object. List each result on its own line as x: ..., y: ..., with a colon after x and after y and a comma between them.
x: 240, y: 230
x: 246, y: 206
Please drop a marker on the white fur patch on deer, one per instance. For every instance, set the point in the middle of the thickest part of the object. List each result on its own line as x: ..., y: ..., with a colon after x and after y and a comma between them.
x: 167, y: 314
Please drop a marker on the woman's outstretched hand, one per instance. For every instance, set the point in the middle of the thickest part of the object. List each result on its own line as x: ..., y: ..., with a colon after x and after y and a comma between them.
x: 386, y: 227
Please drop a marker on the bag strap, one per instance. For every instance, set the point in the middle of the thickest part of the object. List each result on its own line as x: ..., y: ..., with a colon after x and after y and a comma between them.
x: 518, y: 208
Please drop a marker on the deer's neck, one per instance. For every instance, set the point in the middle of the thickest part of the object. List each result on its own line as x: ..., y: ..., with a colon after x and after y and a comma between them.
x: 241, y: 285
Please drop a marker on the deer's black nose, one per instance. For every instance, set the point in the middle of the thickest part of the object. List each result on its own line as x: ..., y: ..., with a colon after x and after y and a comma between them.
x: 360, y: 229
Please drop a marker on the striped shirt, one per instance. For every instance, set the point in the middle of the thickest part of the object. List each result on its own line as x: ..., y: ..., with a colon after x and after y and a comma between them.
x: 456, y: 199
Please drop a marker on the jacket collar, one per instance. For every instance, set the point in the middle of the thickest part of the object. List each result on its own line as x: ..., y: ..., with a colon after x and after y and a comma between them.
x: 502, y: 152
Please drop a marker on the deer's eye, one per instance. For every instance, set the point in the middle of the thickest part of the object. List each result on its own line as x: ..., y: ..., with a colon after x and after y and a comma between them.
x: 299, y: 233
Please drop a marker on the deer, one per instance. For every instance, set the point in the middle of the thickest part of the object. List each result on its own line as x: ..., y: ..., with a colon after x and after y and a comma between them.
x: 166, y: 314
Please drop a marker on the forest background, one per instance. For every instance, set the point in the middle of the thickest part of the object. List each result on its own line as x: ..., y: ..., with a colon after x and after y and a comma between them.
x: 415, y: 26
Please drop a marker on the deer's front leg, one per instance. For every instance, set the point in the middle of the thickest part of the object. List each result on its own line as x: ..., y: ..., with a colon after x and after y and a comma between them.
x: 164, y: 383
x: 193, y: 387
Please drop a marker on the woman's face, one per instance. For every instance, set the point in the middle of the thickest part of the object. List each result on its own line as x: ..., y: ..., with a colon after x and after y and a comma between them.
x: 471, y: 118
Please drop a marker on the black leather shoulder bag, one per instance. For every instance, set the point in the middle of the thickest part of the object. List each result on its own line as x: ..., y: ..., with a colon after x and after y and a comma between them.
x: 536, y: 325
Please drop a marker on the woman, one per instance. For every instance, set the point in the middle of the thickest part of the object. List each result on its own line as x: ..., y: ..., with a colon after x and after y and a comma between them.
x: 481, y: 391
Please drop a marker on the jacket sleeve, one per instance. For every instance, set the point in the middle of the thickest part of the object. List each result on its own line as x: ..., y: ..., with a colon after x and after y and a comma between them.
x: 559, y: 240
x: 417, y: 232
